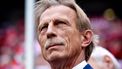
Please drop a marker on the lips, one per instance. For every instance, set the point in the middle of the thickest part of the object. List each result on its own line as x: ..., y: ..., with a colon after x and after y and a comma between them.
x: 53, y: 45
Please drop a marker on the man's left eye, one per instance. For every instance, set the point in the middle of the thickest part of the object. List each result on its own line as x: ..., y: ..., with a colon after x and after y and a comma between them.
x: 59, y: 22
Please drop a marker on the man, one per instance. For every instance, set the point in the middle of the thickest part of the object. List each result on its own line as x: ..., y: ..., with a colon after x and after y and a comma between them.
x: 103, y: 59
x: 64, y: 34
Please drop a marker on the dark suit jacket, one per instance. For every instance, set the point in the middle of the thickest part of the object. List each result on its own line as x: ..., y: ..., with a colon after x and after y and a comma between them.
x: 87, y: 67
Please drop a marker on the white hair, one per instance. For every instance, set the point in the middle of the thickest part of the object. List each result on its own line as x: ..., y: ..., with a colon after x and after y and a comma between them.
x: 96, y: 39
x: 99, y: 52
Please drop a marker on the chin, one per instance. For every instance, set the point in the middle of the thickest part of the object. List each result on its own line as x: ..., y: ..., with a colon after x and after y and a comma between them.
x: 56, y: 56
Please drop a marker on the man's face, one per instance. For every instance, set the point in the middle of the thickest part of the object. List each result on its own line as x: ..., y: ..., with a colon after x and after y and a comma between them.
x: 57, y: 33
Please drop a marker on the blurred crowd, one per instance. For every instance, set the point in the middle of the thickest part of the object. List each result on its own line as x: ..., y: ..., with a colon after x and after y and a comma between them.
x: 11, y: 45
x: 110, y: 34
x: 108, y: 27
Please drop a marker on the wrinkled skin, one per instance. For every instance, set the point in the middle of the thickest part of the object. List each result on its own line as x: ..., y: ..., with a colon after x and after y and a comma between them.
x: 57, y: 33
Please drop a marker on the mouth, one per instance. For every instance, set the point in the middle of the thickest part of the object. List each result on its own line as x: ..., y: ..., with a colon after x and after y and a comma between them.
x: 56, y: 45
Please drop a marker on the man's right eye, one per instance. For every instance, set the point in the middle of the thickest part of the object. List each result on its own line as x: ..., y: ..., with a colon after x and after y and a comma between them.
x: 43, y: 28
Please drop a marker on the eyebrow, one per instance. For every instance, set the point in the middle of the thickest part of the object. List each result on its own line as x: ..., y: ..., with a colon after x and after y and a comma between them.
x: 46, y: 21
x: 42, y: 23
x: 62, y: 19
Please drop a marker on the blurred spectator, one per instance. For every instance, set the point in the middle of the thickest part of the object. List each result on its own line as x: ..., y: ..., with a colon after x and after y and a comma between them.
x: 109, y: 28
x: 101, y: 58
x: 11, y: 46
x: 114, y: 45
x: 5, y: 57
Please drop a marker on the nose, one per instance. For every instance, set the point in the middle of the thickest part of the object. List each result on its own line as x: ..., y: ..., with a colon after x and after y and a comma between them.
x: 51, y: 31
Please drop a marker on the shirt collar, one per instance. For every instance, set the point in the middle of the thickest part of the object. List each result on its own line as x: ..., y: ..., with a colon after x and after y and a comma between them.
x: 80, y: 65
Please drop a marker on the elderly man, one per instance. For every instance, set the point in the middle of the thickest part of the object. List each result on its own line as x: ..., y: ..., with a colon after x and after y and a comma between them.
x: 64, y: 34
x: 101, y: 58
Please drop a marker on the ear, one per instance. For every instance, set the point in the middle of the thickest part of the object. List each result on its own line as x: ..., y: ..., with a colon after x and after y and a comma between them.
x: 86, y: 38
x: 109, y: 62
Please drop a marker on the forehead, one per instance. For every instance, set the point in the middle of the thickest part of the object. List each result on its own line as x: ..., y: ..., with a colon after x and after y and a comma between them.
x: 58, y: 10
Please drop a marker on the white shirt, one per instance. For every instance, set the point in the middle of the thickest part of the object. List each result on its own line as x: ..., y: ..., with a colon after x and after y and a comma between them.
x: 80, y: 65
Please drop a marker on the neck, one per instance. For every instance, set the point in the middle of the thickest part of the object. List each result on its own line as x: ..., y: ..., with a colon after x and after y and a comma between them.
x: 68, y: 63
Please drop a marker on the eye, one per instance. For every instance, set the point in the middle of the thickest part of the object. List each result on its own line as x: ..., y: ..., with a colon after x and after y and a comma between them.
x: 43, y: 27
x: 57, y: 22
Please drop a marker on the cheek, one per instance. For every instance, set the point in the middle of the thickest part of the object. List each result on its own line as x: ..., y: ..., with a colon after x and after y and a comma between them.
x: 72, y: 40
x: 41, y: 40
